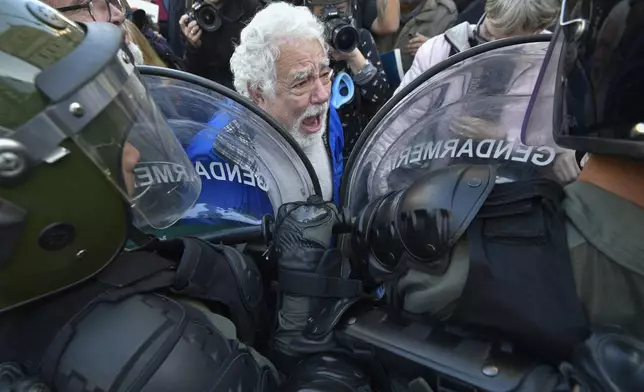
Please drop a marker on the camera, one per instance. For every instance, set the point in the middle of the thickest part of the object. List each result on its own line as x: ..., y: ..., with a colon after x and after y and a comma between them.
x: 339, y: 32
x: 206, y: 15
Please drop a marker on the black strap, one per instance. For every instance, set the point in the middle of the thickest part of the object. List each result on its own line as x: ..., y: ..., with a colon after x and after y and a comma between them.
x: 315, y: 285
x: 139, y: 237
x: 452, y: 48
x: 519, y: 197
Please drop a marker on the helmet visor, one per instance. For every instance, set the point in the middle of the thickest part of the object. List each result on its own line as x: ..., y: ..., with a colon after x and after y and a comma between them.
x: 131, y: 142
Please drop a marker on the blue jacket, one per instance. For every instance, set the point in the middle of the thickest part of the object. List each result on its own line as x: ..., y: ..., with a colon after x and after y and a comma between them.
x: 335, y: 137
x: 232, y: 194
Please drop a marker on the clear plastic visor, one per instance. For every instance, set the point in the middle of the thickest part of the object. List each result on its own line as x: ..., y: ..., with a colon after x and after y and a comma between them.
x: 133, y: 145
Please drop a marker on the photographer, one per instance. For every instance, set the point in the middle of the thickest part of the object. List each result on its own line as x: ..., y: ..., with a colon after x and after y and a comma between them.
x: 354, y: 51
x: 212, y: 28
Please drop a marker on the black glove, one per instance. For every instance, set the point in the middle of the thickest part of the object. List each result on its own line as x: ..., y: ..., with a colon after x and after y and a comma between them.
x: 304, y: 227
x: 609, y: 361
x: 13, y: 379
x: 311, y: 276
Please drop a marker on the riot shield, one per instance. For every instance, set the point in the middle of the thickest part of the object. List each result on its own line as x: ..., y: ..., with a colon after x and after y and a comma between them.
x: 248, y: 164
x: 468, y: 109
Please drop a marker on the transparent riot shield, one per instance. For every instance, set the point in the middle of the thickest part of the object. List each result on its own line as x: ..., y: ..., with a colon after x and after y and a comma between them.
x: 468, y: 109
x: 248, y: 165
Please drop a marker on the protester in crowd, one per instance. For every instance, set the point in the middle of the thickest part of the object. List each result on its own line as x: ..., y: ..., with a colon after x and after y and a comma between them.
x: 146, y: 55
x: 426, y: 18
x: 502, y: 19
x: 281, y: 64
x: 208, y: 53
x: 156, y: 41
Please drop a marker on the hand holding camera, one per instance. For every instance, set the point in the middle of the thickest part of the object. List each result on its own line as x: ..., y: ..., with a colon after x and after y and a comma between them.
x: 191, y: 30
x: 203, y: 16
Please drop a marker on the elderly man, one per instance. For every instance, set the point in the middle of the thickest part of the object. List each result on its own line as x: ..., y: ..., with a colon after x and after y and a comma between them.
x: 282, y: 64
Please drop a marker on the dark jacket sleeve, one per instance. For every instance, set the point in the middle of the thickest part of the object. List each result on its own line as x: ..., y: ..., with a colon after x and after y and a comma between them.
x: 376, y: 89
x: 194, y: 60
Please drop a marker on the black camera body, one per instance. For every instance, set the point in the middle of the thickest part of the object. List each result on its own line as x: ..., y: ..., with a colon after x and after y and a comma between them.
x: 207, y: 16
x: 339, y: 31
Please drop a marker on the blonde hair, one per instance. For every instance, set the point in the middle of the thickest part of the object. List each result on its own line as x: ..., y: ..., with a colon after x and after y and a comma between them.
x: 150, y: 57
x: 522, y: 16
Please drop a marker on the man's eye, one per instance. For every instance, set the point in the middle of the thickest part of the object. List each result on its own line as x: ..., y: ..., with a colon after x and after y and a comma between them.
x: 300, y: 84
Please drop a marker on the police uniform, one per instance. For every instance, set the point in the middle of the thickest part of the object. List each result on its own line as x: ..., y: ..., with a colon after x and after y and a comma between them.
x: 77, y: 312
x: 604, y: 255
x: 526, y: 259
x: 606, y: 252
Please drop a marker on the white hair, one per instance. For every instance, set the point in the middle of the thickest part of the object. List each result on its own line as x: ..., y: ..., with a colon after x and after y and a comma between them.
x: 253, y: 62
x: 522, y: 16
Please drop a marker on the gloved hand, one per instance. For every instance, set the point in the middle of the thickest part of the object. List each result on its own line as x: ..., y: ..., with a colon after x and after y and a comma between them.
x: 304, y: 227
x: 610, y: 360
x: 311, y: 276
x: 13, y: 379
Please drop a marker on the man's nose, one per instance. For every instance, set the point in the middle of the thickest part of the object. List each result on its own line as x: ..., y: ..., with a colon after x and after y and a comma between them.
x: 321, y: 92
x: 118, y: 16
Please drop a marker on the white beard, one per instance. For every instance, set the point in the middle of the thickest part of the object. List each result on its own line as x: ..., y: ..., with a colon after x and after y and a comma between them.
x: 307, y: 140
x: 314, y: 148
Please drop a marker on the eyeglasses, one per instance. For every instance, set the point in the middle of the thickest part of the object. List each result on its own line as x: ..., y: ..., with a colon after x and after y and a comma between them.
x: 99, y: 10
x: 573, y: 28
x: 480, y: 38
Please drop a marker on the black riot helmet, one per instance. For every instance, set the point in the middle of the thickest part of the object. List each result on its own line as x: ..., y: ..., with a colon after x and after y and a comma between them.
x: 80, y: 143
x: 592, y: 79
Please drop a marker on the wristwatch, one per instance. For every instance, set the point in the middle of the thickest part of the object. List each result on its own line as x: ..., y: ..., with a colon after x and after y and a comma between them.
x: 365, y: 74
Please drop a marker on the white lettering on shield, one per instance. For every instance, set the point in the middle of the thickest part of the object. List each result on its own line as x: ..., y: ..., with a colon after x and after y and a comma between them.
x: 471, y: 148
x: 219, y: 171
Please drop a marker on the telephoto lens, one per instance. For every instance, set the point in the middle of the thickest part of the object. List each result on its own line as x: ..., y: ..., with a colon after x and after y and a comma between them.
x: 341, y: 35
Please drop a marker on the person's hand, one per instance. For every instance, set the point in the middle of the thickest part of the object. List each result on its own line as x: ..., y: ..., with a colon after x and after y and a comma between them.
x: 355, y: 60
x: 312, y: 276
x: 415, y: 43
x: 191, y: 31
x: 304, y: 226
x: 342, y: 56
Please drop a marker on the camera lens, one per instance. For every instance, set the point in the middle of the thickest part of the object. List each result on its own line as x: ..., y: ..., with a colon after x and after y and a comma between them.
x: 208, y: 18
x: 341, y: 35
x: 345, y: 39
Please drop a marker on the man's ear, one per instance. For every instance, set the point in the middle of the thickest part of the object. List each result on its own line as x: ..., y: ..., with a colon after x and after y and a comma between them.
x: 256, y: 95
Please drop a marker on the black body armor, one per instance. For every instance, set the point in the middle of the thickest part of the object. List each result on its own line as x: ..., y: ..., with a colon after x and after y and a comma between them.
x: 130, y: 329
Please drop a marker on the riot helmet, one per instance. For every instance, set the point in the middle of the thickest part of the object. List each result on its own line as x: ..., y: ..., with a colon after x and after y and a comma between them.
x: 591, y: 80
x: 79, y: 137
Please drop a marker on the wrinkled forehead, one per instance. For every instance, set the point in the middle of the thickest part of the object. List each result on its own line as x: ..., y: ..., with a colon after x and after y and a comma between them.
x: 298, y: 60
